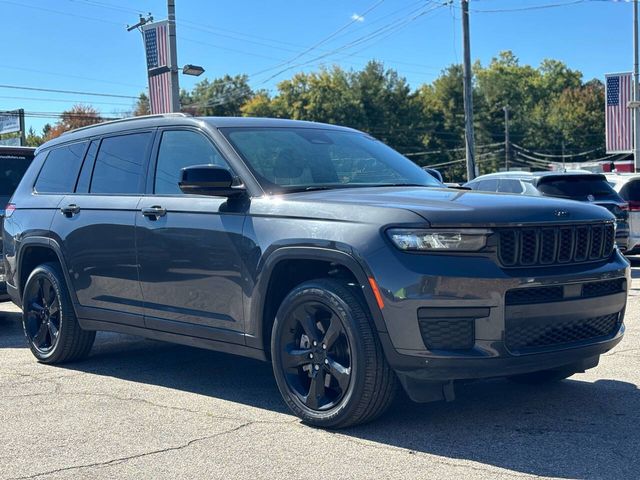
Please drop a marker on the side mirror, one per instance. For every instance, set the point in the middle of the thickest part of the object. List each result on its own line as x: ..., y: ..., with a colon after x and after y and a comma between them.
x: 210, y: 180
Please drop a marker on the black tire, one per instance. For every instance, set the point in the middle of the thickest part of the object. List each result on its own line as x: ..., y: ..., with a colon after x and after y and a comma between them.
x: 541, y: 377
x: 358, y: 384
x: 48, y: 318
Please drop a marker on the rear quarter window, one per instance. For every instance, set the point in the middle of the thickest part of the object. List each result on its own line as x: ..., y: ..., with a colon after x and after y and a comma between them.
x: 60, y: 170
x: 577, y: 188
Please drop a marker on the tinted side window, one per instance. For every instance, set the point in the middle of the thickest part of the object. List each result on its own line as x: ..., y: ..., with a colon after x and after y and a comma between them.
x: 60, y: 170
x: 510, y: 186
x: 486, y: 185
x: 180, y: 149
x: 120, y: 162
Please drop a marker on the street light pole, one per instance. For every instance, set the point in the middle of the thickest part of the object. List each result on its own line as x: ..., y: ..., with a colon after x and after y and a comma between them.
x: 507, y: 143
x: 468, y: 94
x: 634, y: 90
x: 173, y: 57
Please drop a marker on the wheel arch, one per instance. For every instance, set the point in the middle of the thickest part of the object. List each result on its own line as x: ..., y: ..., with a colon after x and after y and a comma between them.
x: 34, y: 251
x: 265, y: 300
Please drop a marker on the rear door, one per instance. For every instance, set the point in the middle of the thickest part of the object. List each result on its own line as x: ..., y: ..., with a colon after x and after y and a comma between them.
x: 96, y: 226
x: 190, y: 253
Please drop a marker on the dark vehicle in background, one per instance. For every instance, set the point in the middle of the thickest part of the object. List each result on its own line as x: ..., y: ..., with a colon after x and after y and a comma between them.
x: 14, y: 161
x: 311, y: 246
x: 580, y: 186
x: 628, y: 187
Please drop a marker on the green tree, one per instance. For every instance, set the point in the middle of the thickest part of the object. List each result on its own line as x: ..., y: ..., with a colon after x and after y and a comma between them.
x: 222, y: 97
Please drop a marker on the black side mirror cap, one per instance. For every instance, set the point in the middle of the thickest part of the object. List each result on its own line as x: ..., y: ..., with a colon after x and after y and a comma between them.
x: 212, y: 180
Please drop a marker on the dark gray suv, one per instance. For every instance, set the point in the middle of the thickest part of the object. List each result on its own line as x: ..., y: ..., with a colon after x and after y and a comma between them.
x: 314, y: 247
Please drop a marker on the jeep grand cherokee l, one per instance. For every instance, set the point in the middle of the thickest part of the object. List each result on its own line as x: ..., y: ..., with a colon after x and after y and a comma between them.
x: 314, y: 247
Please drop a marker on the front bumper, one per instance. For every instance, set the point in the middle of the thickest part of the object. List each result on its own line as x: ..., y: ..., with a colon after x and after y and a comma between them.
x: 451, y: 286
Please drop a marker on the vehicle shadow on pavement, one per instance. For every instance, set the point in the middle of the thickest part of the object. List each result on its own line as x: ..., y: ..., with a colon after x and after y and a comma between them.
x: 570, y: 429
x: 11, y: 334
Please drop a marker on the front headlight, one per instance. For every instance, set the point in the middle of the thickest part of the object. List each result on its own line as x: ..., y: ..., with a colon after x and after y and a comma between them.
x: 462, y: 240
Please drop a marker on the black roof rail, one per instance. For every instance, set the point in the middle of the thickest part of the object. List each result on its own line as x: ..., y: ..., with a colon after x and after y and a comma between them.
x: 130, y: 119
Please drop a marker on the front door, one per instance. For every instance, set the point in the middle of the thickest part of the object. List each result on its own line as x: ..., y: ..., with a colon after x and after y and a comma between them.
x: 189, y: 247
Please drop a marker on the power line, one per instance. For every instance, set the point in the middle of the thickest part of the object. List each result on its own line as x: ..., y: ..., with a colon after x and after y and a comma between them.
x: 62, y: 100
x: 52, y: 90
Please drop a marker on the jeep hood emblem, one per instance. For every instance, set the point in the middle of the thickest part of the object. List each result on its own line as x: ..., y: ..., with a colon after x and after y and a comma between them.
x: 561, y: 213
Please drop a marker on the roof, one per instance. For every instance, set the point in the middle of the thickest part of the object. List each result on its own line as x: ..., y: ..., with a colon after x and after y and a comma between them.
x: 534, y: 175
x: 7, y: 150
x: 175, y: 119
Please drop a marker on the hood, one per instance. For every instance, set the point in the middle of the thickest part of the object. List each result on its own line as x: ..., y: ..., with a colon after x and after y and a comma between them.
x: 443, y: 207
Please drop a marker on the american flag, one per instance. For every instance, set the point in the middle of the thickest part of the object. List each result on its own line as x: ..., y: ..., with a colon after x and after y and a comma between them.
x: 619, y: 126
x: 157, y: 49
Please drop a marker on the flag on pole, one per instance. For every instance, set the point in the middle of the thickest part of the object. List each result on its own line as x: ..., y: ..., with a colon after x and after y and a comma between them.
x: 618, y: 123
x: 158, y: 69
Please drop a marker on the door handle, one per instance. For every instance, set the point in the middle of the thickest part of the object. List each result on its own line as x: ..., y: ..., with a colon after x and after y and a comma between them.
x: 154, y: 212
x: 70, y: 210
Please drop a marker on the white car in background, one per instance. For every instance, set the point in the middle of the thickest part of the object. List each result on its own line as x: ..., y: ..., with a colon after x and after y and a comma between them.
x: 628, y: 187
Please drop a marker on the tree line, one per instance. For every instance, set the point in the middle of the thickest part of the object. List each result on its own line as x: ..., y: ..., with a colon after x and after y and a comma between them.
x: 552, y: 109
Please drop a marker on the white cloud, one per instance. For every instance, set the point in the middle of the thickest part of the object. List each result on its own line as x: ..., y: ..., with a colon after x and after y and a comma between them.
x: 357, y: 18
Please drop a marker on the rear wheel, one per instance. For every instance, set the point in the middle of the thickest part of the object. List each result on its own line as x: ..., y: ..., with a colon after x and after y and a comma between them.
x: 327, y: 359
x: 49, y: 320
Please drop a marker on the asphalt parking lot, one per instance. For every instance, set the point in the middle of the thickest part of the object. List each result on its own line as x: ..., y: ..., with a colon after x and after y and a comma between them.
x: 145, y: 409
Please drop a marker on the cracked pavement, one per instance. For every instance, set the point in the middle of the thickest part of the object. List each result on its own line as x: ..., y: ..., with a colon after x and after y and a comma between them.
x: 144, y: 409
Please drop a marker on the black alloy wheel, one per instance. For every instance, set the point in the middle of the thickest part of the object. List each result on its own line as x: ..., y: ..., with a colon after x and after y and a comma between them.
x: 327, y: 358
x: 42, y: 314
x: 316, y: 355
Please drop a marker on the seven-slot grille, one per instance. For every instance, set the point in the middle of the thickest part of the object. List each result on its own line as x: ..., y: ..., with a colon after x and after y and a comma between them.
x: 542, y: 246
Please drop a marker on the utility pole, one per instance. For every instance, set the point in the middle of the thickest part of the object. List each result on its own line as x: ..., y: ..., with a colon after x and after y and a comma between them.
x: 507, y: 144
x: 564, y: 166
x: 468, y: 93
x: 634, y: 90
x: 173, y: 57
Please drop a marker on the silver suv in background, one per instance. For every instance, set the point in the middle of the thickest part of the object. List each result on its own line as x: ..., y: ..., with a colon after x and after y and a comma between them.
x: 575, y: 185
x: 628, y: 187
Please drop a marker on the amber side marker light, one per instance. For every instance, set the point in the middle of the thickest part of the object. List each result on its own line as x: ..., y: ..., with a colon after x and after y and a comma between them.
x: 376, y: 292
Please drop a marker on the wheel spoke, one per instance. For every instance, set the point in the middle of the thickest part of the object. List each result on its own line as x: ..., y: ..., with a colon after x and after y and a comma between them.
x: 296, y: 357
x: 35, y: 306
x: 333, y: 332
x: 50, y: 294
x: 41, y: 335
x: 41, y: 296
x: 340, y: 373
x: 310, y: 328
x: 316, y: 391
x: 53, y: 309
x: 53, y: 332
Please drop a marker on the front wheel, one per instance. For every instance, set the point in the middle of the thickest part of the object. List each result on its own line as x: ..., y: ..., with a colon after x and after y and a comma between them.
x: 327, y: 360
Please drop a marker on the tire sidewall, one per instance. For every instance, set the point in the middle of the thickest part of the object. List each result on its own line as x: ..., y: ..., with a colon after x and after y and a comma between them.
x: 52, y: 276
x: 312, y: 291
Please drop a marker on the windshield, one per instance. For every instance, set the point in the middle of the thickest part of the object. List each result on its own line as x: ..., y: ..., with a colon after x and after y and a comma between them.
x: 298, y: 159
x: 577, y: 187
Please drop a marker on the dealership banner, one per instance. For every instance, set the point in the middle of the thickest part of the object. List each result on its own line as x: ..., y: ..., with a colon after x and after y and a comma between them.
x: 9, y: 122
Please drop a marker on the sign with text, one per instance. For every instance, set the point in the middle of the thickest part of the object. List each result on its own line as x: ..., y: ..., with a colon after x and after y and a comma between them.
x: 9, y: 122
x: 10, y: 142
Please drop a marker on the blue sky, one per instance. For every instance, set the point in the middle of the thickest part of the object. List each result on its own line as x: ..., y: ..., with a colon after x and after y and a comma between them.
x: 82, y: 45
